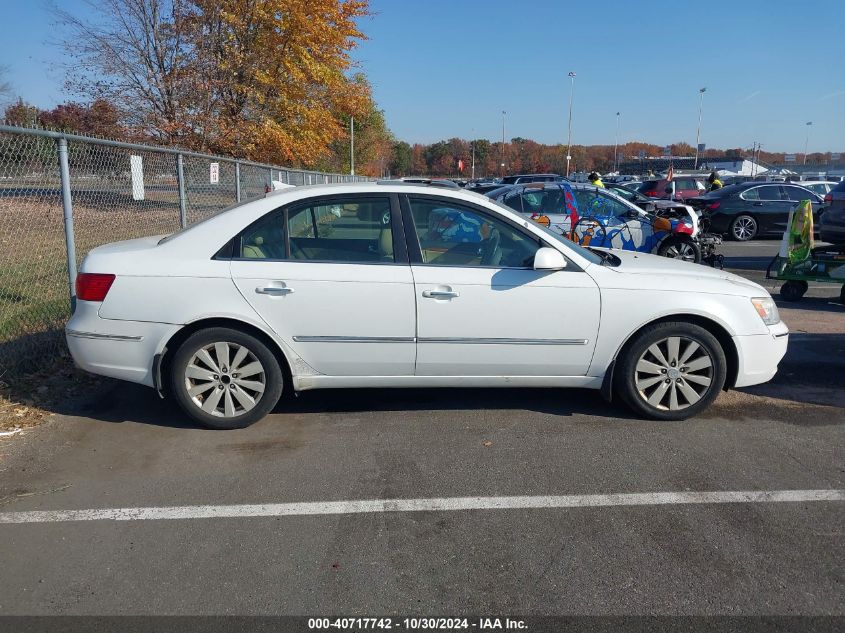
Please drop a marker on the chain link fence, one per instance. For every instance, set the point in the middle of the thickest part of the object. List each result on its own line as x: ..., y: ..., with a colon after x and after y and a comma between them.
x: 109, y: 191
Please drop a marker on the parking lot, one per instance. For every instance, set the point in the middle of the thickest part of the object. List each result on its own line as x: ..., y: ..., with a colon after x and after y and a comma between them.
x: 443, y: 534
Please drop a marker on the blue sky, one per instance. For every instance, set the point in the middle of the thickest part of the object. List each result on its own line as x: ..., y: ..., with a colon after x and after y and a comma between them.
x: 448, y: 68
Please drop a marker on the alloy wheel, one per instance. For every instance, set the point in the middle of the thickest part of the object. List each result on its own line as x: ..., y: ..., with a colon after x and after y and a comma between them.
x: 225, y: 379
x: 683, y: 250
x: 674, y: 373
x: 744, y: 228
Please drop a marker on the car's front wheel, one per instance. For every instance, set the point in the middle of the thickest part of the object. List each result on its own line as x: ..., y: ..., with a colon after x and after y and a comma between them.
x: 225, y: 379
x: 743, y: 228
x: 671, y: 371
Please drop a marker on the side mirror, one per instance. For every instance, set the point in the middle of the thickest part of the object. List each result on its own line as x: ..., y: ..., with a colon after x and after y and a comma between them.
x: 549, y: 259
x: 632, y: 215
x: 649, y: 207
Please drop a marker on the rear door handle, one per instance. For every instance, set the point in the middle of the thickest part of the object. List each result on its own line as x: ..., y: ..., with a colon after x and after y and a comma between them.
x: 275, y: 291
x: 439, y: 294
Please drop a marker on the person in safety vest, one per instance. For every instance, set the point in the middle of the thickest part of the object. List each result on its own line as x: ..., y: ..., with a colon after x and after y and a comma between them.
x: 714, y: 181
x: 595, y: 179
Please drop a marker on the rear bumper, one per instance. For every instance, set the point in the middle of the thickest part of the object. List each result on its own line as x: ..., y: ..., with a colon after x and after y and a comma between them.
x: 118, y: 349
x: 760, y: 354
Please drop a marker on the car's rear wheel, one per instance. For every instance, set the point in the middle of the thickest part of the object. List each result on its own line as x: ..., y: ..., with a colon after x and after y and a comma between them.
x: 671, y: 371
x: 744, y: 228
x: 680, y: 247
x: 225, y: 379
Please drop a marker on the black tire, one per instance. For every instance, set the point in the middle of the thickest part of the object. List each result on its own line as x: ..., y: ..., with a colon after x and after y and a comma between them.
x: 680, y: 247
x: 793, y: 290
x: 636, y: 396
x: 743, y: 228
x: 271, y: 376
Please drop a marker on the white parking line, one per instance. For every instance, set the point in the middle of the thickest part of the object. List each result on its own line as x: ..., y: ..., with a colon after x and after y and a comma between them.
x: 421, y: 505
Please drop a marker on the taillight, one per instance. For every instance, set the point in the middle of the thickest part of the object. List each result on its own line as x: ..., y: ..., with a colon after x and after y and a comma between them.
x: 652, y: 193
x: 828, y: 197
x: 93, y: 286
x: 712, y: 206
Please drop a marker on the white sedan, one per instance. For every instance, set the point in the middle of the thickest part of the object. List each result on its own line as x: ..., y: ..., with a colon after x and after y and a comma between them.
x: 397, y: 285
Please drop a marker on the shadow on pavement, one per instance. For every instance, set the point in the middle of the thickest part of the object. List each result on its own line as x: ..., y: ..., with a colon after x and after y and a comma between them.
x: 813, y: 304
x: 126, y: 402
x: 811, y: 372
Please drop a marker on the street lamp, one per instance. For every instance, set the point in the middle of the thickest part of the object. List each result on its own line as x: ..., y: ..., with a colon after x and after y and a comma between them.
x: 616, y: 145
x: 807, y: 140
x: 472, y: 142
x: 569, y: 141
x: 352, y: 146
x: 502, y: 170
x: 701, y: 92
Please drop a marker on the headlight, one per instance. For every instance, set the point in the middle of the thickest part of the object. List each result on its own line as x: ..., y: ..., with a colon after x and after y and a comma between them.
x: 767, y: 310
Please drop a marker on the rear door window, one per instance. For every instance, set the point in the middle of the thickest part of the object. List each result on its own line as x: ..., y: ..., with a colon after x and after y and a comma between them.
x: 797, y: 194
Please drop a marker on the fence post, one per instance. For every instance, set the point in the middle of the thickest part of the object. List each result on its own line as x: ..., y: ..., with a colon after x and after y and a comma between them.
x: 180, y: 178
x: 237, y: 181
x: 270, y: 182
x: 67, y: 210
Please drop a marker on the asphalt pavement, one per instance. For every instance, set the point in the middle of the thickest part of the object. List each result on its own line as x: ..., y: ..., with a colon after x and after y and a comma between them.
x: 575, y: 542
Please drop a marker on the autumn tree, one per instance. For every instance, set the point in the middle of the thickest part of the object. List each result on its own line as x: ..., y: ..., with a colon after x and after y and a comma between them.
x: 400, y: 165
x: 136, y: 54
x: 264, y: 79
x: 21, y: 114
x: 100, y: 118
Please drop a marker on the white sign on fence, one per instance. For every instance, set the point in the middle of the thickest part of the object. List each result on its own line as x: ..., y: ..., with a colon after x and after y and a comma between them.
x: 214, y: 173
x: 789, y: 158
x: 667, y: 151
x: 136, y: 169
x: 834, y: 156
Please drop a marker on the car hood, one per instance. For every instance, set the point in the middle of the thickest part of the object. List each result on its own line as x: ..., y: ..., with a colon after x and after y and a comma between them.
x: 643, y: 270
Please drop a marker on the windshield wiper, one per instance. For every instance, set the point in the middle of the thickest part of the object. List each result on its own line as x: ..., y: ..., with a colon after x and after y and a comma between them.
x: 606, y: 257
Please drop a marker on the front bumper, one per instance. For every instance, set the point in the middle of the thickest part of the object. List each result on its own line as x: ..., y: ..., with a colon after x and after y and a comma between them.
x: 760, y: 354
x: 118, y: 349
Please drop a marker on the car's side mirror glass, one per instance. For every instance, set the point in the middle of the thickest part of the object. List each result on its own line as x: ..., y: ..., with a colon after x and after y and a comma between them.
x: 549, y: 259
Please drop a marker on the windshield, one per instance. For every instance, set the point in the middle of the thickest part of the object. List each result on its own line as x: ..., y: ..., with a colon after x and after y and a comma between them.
x: 559, y: 239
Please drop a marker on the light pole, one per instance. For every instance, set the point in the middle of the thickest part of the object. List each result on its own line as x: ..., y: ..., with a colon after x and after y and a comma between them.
x: 569, y: 141
x: 807, y: 141
x: 352, y: 146
x: 472, y: 141
x: 502, y: 168
x: 701, y: 92
x: 616, y: 146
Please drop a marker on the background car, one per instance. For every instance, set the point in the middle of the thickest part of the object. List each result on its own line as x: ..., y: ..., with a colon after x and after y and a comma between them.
x: 300, y: 290
x: 519, y: 179
x: 598, y: 217
x: 685, y: 187
x: 832, y: 221
x: 437, y: 182
x: 821, y: 187
x: 644, y: 202
x: 753, y: 209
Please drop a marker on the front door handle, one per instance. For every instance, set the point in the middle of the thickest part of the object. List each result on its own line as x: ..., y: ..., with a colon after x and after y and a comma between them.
x: 439, y: 294
x: 276, y: 291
